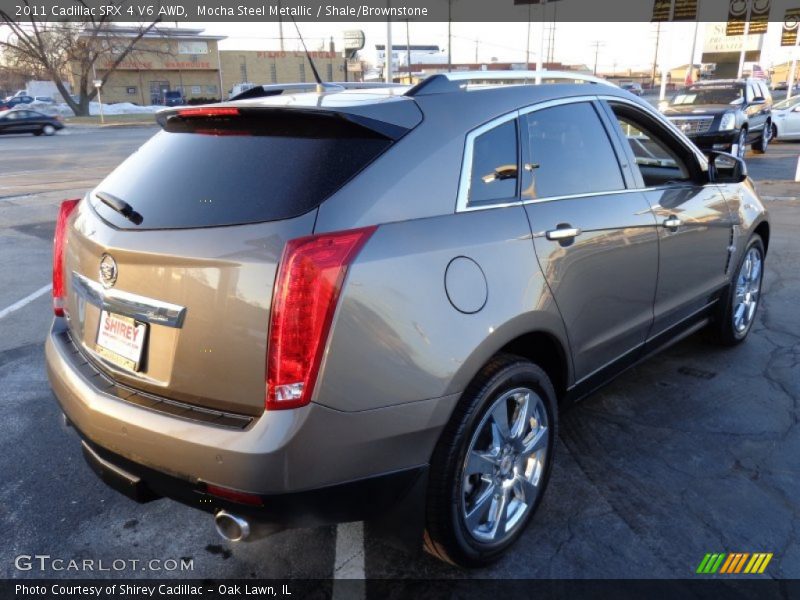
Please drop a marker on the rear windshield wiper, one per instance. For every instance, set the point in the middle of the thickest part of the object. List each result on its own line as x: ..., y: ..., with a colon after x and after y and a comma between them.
x: 119, y: 205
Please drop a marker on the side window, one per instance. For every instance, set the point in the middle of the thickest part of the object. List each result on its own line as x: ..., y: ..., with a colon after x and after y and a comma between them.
x: 658, y: 164
x: 493, y: 175
x: 569, y: 153
x: 751, y: 93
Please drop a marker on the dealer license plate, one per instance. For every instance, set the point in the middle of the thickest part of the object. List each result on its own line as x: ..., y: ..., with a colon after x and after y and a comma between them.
x: 120, y: 339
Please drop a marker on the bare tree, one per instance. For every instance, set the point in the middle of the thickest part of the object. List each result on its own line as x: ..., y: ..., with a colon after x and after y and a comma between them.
x: 59, y: 49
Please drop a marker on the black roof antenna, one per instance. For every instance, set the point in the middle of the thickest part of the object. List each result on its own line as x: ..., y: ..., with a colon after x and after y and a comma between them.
x: 320, y: 85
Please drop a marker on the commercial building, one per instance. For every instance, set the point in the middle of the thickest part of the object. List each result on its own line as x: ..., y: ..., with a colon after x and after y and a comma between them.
x: 276, y: 66
x: 166, y: 58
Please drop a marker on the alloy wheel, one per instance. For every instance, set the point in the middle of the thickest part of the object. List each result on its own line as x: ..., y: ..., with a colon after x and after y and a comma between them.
x: 742, y: 144
x: 748, y: 291
x: 504, y: 466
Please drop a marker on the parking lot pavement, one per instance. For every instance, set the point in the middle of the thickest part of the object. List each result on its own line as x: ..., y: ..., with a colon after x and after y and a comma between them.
x: 695, y: 451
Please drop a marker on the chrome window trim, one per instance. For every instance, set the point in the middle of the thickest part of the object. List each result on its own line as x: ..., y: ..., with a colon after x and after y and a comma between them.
x: 462, y: 204
x: 701, y: 158
x: 138, y: 307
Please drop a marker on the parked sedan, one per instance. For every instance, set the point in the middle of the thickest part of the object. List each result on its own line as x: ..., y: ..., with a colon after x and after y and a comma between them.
x: 786, y: 119
x: 29, y: 121
x: 13, y: 101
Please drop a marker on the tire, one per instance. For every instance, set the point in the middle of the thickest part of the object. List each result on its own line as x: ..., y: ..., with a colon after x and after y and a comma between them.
x: 49, y: 130
x: 37, y: 133
x: 507, y: 381
x: 774, y: 132
x: 743, y: 294
x: 740, y: 144
x: 760, y: 146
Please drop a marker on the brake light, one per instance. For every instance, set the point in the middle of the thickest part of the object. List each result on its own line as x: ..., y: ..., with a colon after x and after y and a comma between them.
x: 59, y: 287
x: 310, y: 277
x: 222, y: 111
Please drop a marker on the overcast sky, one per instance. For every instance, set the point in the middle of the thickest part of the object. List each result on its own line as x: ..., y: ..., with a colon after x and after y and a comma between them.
x: 626, y: 45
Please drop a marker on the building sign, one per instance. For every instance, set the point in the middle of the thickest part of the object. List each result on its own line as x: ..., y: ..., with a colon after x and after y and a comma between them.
x: 790, y: 25
x: 192, y: 47
x: 717, y: 40
x: 283, y: 54
x: 186, y: 64
x: 675, y: 10
x: 354, y: 39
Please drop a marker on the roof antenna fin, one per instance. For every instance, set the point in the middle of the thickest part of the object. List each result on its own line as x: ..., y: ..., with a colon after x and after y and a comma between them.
x: 320, y: 85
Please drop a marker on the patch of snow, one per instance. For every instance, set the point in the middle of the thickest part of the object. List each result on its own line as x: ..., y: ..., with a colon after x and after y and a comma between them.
x: 120, y: 108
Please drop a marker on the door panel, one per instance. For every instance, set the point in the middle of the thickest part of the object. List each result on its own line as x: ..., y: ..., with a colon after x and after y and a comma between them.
x: 693, y: 221
x: 694, y: 255
x: 595, y: 240
x: 605, y: 279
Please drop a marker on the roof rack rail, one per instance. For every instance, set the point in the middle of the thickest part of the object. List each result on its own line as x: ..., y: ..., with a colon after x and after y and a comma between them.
x: 276, y: 89
x: 442, y: 83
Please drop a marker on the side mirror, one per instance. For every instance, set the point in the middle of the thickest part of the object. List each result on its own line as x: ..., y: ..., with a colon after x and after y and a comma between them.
x: 796, y: 108
x: 759, y: 100
x: 726, y: 168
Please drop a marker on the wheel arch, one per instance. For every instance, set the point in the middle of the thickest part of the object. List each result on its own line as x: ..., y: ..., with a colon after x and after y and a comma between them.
x: 762, y: 229
x: 543, y: 342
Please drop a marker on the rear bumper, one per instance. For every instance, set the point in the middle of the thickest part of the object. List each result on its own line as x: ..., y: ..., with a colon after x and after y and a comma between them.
x: 282, y: 452
x: 365, y: 499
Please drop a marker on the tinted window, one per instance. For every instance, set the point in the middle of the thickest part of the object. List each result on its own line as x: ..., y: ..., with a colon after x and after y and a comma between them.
x: 224, y: 171
x: 658, y: 164
x: 569, y: 153
x: 708, y: 94
x: 494, y: 165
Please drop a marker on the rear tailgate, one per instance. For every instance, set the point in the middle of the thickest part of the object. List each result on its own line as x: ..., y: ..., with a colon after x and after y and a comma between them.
x: 175, y: 300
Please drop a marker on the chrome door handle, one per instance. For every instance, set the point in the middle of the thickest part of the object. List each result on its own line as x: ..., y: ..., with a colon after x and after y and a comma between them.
x: 563, y: 234
x: 673, y: 223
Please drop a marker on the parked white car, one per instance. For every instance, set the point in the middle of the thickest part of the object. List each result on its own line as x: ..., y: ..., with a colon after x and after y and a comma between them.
x: 786, y: 119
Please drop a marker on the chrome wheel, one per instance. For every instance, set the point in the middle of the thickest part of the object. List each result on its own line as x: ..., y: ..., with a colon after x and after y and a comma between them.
x: 48, y: 130
x: 504, y: 465
x: 748, y: 291
x: 741, y: 145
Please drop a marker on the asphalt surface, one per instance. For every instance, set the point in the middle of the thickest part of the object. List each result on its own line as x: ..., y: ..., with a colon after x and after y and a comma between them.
x: 695, y: 451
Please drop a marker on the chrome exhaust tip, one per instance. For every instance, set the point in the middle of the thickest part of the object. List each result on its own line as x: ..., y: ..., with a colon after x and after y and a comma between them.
x: 231, y: 527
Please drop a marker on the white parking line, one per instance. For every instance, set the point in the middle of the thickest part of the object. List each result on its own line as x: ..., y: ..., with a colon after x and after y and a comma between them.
x: 349, y: 562
x: 26, y: 300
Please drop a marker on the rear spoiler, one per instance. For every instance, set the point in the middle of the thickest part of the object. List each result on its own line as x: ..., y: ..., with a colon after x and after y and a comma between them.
x: 276, y: 89
x: 391, y: 120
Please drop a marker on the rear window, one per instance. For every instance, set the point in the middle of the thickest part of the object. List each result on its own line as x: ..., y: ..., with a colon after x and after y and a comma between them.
x: 203, y: 172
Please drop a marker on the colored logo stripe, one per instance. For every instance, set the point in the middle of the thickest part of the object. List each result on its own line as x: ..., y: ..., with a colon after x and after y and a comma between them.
x: 734, y: 562
x: 758, y: 563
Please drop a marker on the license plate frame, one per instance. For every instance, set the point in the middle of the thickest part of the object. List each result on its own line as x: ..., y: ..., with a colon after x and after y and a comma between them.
x: 121, y: 340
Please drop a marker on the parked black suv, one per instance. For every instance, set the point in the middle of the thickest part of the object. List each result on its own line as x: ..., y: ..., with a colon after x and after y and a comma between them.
x: 724, y: 114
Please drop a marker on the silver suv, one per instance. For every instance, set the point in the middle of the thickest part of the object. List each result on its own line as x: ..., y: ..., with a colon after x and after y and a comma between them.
x: 310, y: 308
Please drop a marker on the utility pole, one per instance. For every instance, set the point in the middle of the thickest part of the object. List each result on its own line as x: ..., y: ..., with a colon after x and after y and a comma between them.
x: 387, y: 62
x: 280, y: 24
x: 655, y: 58
x: 408, y: 52
x: 477, y: 43
x: 449, y: 36
x: 596, y: 45
x: 528, y: 41
x: 791, y: 79
x: 690, y: 72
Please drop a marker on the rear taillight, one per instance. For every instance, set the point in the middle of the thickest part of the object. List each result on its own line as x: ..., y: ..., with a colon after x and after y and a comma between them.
x: 59, y: 287
x: 222, y: 111
x: 310, y: 277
